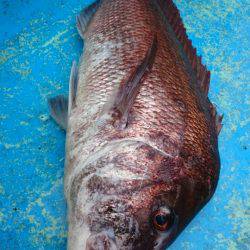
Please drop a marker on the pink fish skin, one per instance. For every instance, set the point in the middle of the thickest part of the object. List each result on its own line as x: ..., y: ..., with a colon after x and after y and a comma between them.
x: 142, y: 136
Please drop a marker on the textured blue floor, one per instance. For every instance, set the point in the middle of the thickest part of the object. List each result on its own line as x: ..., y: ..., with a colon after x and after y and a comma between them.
x: 38, y: 42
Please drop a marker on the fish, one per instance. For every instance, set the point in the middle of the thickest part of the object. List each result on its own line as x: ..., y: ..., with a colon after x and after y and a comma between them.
x: 141, y: 148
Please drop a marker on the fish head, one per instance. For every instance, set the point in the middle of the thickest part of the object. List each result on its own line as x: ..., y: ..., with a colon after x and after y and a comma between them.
x: 138, y: 198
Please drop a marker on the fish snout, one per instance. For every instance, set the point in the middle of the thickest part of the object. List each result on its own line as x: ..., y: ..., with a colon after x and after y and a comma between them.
x: 100, y: 241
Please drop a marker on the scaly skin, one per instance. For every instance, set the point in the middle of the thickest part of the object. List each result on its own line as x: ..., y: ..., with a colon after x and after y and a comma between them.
x: 166, y: 156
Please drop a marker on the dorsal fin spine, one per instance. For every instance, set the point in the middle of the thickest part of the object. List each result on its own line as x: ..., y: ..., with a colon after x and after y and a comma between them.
x: 173, y: 16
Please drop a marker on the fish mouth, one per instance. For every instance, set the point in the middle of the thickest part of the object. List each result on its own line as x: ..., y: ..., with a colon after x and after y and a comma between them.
x: 101, y: 241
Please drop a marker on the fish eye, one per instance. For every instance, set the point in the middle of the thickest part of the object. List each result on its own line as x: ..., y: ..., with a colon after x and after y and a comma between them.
x: 163, y: 219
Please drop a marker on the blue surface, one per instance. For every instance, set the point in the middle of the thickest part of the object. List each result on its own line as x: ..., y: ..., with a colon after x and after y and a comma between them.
x: 38, y: 42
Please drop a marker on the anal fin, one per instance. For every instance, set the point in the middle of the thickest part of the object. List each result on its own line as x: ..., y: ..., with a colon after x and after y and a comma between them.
x: 84, y: 18
x: 59, y: 110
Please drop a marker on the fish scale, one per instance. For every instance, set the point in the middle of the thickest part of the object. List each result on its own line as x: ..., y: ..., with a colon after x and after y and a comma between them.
x: 141, y: 132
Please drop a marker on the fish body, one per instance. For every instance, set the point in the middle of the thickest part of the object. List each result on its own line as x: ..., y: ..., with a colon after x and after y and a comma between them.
x: 142, y: 136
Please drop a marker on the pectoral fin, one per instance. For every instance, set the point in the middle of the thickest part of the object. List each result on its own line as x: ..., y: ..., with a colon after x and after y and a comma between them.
x: 127, y: 93
x: 59, y: 110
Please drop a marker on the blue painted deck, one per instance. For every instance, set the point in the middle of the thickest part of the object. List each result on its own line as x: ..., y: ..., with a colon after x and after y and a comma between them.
x: 38, y: 41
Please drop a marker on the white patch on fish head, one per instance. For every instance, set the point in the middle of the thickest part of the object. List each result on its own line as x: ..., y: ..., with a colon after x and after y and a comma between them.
x: 114, y: 174
x: 77, y: 236
x: 104, y: 221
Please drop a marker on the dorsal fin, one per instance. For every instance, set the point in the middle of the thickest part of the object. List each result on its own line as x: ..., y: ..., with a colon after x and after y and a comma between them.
x: 217, y: 118
x: 173, y: 17
x: 127, y: 93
